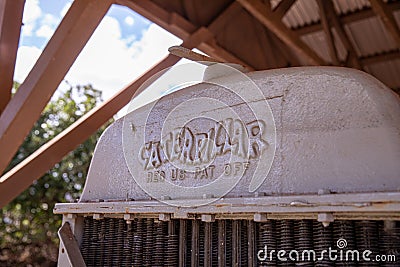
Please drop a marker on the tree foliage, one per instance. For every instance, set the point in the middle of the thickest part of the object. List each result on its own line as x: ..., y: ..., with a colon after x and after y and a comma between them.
x: 28, y: 227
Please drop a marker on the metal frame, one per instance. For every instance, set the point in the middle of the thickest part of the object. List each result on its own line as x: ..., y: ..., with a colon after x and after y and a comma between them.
x: 371, y: 206
x: 71, y: 246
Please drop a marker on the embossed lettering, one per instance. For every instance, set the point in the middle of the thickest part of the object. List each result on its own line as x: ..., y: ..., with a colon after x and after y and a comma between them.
x: 187, y: 146
x: 256, y: 130
x: 196, y: 149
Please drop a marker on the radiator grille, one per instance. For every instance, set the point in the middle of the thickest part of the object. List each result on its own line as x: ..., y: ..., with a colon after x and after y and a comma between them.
x: 149, y: 242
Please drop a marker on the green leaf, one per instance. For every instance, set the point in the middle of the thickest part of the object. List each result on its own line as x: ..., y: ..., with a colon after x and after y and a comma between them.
x: 28, y: 221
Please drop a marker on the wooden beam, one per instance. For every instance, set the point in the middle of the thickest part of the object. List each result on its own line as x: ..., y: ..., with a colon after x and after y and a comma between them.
x: 182, y: 28
x: 170, y: 21
x: 327, y: 29
x: 275, y: 25
x: 286, y: 52
x: 213, y: 49
x: 10, y: 27
x: 33, y: 167
x: 191, y: 12
x: 347, y: 18
x: 25, y: 107
x: 268, y: 49
x: 228, y: 14
x: 225, y: 17
x: 198, y: 37
x: 352, y: 54
x: 381, y: 57
x: 386, y: 15
x: 215, y: 27
x: 283, y: 7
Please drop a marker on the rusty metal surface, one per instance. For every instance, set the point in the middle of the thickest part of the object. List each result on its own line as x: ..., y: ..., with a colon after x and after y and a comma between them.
x: 106, y: 241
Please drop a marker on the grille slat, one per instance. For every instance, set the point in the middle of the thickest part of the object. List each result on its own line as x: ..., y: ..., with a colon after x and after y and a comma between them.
x: 195, y: 243
x: 251, y: 241
x: 148, y: 250
x: 323, y: 239
x: 221, y: 243
x: 345, y: 230
x: 128, y: 245
x: 366, y: 238
x: 172, y: 251
x: 235, y: 243
x: 286, y: 240
x: 389, y: 235
x: 149, y: 242
x: 138, y: 242
x: 267, y: 236
x: 159, y: 252
x: 183, y: 243
x: 215, y: 244
x: 208, y: 245
x: 303, y: 238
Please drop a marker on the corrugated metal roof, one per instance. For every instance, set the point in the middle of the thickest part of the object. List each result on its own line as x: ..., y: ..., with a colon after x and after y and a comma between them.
x: 252, y: 43
x: 301, y: 13
x: 388, y: 72
x: 368, y: 36
x: 346, y: 6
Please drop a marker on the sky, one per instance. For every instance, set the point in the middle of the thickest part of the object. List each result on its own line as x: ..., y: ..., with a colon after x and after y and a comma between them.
x: 123, y: 46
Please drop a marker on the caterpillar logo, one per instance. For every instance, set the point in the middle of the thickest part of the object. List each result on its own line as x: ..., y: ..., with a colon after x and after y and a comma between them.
x: 203, y: 145
x: 185, y: 146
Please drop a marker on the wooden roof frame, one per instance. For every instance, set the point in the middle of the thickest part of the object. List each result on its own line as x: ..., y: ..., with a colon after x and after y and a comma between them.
x: 273, y: 22
x: 19, y: 113
x: 10, y: 25
x: 386, y: 15
x: 50, y: 69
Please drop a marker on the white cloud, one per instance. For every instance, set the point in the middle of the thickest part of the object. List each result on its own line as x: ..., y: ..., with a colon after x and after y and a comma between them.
x: 110, y: 63
x: 50, y: 19
x: 26, y: 58
x: 48, y: 24
x: 33, y: 18
x: 32, y: 13
x: 65, y: 9
x: 130, y: 39
x: 45, y: 31
x: 129, y: 20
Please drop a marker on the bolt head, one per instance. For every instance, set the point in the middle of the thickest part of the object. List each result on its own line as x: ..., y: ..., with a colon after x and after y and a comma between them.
x: 260, y: 217
x: 164, y: 217
x: 208, y: 217
x: 98, y: 216
x: 325, y: 218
